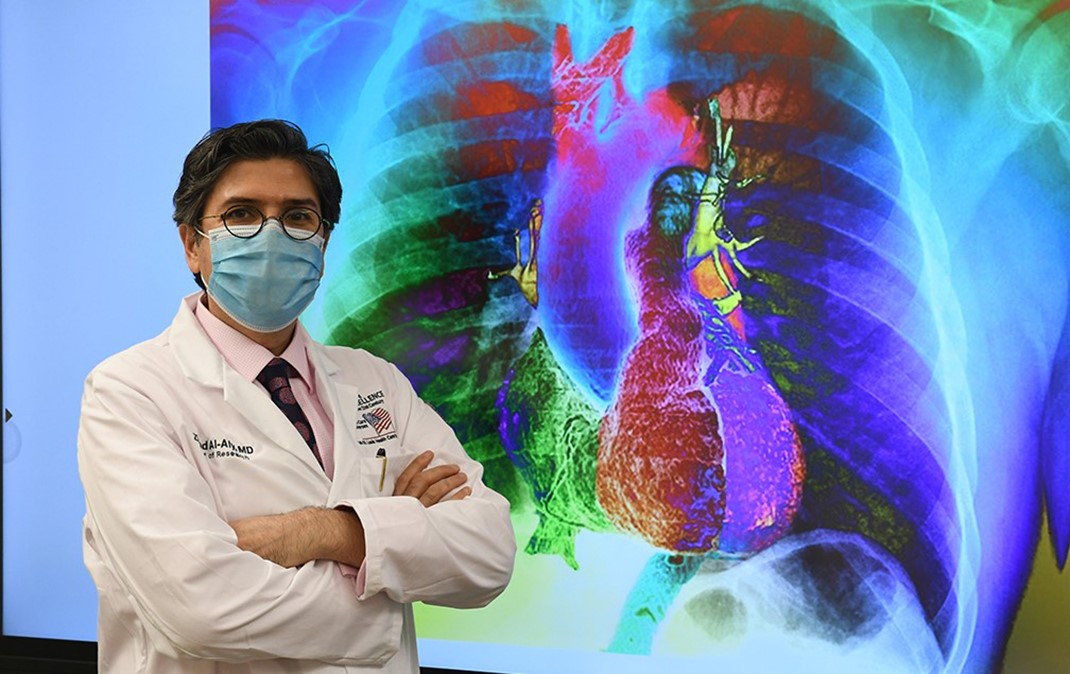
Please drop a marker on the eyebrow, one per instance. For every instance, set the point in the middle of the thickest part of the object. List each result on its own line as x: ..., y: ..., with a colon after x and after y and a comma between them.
x: 287, y: 203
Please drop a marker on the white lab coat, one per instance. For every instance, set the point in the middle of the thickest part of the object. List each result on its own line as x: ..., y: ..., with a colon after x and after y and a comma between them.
x: 173, y: 444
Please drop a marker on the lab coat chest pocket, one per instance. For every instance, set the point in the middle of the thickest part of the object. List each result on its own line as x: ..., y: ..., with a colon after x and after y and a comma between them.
x: 379, y: 474
x: 368, y: 450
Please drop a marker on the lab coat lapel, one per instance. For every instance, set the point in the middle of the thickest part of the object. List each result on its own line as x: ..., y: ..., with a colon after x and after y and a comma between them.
x: 340, y: 402
x: 256, y: 406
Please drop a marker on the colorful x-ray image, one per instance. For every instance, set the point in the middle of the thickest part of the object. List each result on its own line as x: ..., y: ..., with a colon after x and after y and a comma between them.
x: 755, y: 311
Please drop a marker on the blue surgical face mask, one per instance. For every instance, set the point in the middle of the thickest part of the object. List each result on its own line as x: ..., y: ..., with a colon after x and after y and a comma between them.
x: 264, y: 283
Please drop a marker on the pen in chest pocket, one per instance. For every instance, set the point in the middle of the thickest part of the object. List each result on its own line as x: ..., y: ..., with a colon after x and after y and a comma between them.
x: 381, y: 455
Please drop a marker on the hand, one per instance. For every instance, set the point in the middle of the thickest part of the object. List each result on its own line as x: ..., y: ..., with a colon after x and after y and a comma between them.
x: 294, y: 538
x: 431, y: 485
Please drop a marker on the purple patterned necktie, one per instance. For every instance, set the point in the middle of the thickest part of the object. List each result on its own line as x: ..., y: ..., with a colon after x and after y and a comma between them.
x: 275, y: 377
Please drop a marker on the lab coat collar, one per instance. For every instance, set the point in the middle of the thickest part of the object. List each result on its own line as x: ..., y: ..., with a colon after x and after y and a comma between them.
x: 195, y: 353
x: 201, y: 361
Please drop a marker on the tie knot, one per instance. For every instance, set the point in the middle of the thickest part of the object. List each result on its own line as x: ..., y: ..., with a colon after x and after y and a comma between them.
x: 277, y: 368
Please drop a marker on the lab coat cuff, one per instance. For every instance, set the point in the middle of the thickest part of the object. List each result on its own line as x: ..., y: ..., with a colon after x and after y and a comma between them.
x: 368, y: 581
x: 356, y: 576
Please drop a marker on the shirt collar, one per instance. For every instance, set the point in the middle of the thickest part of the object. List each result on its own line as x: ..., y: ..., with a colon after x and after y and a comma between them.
x: 246, y: 356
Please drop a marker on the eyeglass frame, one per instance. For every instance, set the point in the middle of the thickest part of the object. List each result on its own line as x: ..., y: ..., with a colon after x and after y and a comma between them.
x: 323, y: 224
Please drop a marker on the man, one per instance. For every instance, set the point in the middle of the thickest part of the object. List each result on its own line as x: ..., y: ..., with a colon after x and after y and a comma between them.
x: 256, y: 501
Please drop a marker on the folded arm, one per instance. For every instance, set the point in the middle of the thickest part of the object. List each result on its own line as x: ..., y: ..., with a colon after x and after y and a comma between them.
x: 154, y: 522
x: 301, y: 536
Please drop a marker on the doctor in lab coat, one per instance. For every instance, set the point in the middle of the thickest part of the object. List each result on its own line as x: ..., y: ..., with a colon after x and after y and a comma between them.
x: 218, y: 539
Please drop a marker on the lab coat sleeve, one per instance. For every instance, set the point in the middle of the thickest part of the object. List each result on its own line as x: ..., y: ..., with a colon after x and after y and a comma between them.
x: 454, y: 553
x: 152, y: 517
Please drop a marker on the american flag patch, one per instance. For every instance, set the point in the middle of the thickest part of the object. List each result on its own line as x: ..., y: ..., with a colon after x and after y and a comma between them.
x: 378, y: 418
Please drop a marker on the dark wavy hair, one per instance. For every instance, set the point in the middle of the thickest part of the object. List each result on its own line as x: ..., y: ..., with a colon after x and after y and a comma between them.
x: 262, y: 139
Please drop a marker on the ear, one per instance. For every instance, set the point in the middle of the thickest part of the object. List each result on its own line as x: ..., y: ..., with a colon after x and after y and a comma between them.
x: 191, y: 244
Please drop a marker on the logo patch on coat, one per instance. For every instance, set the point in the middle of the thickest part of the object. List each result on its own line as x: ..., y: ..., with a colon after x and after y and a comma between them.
x: 370, y: 400
x: 372, y: 415
x: 379, y: 419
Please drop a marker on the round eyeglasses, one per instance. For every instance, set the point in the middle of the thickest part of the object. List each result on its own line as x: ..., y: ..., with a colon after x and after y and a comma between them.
x: 245, y: 222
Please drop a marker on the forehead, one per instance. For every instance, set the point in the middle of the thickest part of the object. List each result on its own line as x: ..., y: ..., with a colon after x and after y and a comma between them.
x: 263, y: 181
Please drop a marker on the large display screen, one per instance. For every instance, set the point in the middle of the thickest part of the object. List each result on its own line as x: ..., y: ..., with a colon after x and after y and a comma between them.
x: 755, y: 311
